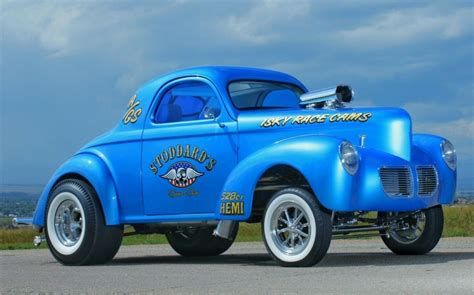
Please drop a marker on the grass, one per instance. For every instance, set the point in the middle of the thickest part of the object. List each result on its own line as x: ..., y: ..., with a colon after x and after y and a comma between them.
x: 459, y: 222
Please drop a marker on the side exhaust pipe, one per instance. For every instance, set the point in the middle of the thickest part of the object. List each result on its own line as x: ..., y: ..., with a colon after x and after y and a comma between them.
x: 225, y: 228
x: 18, y: 222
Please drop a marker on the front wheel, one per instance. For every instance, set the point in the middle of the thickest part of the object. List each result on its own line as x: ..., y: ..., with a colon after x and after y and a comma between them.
x: 75, y: 227
x: 296, y: 230
x: 416, y: 234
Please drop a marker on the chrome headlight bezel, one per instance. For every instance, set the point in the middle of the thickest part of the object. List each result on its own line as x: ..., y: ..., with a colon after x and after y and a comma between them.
x: 349, y: 157
x: 449, y: 154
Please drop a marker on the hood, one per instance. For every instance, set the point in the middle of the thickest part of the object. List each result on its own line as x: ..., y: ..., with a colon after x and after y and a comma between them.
x: 384, y: 129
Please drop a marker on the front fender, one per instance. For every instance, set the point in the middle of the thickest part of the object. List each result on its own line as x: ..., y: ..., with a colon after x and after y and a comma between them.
x: 428, y: 145
x: 95, y: 171
x: 314, y: 156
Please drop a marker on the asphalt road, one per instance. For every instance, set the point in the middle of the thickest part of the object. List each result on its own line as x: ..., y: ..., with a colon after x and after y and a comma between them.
x: 351, y: 267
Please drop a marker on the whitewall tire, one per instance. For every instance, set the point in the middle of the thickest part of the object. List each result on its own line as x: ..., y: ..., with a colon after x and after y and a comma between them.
x: 75, y: 227
x: 65, y: 223
x: 296, y: 231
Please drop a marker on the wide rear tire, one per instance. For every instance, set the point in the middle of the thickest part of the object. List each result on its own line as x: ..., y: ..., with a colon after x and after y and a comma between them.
x: 422, y: 235
x: 200, y: 242
x: 75, y: 226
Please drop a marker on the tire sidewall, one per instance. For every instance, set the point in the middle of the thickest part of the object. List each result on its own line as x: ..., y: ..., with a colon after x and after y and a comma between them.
x: 202, y: 243
x: 279, y: 200
x: 80, y: 252
x: 427, y: 240
x: 319, y: 219
x: 50, y: 224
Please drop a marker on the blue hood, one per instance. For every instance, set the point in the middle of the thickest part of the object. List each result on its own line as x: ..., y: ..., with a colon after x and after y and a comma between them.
x: 384, y: 129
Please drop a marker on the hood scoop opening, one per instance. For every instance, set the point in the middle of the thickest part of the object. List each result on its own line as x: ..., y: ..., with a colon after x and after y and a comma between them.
x: 329, y: 98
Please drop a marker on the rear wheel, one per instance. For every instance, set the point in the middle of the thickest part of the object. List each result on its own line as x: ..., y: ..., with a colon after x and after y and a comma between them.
x: 296, y: 230
x: 75, y: 227
x: 200, y: 241
x: 416, y: 234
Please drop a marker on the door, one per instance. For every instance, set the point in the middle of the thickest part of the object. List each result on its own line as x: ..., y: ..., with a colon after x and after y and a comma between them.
x: 189, y: 149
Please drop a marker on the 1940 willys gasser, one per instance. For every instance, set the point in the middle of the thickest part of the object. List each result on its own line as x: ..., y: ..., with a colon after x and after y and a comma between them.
x: 202, y: 149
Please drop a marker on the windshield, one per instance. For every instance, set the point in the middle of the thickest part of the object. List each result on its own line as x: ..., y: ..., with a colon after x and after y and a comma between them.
x: 264, y: 95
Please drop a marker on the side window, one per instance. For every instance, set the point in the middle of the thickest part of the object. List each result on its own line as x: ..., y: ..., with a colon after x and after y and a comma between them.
x: 188, y: 101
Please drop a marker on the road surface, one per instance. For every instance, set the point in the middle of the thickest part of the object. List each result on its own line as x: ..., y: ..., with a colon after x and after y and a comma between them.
x: 351, y: 267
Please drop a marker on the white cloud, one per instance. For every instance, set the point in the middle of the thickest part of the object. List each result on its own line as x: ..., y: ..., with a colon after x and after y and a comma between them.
x: 69, y: 28
x: 409, y: 25
x: 452, y: 121
x: 99, y: 30
x: 256, y: 26
x: 432, y: 110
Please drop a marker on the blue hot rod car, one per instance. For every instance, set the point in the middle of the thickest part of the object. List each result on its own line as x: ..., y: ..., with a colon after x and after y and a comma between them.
x: 200, y: 150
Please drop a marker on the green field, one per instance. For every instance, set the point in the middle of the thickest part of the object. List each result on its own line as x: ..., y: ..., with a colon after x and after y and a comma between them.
x: 459, y: 222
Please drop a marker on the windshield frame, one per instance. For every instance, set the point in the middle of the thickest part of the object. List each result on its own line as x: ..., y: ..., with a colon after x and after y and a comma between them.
x: 296, y: 87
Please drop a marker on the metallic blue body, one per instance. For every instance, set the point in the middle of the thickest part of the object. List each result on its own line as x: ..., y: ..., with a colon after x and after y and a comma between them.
x: 118, y: 164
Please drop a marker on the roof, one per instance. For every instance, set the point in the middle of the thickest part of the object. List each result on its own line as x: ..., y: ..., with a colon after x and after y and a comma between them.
x: 222, y: 75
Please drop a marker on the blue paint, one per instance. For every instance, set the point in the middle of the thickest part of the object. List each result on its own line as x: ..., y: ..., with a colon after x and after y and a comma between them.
x: 229, y: 153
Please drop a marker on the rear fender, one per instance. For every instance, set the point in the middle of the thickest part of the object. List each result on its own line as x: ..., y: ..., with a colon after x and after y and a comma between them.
x: 92, y: 168
x: 315, y: 157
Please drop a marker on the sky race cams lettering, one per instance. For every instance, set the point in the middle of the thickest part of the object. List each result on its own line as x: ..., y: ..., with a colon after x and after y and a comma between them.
x: 315, y: 119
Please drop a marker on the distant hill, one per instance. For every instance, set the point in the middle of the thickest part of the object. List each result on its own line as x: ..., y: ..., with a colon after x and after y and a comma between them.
x: 18, y: 203
x: 21, y: 188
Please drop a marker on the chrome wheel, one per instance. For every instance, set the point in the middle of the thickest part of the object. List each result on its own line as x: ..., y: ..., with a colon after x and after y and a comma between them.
x: 290, y: 228
x: 68, y: 223
x: 409, y: 229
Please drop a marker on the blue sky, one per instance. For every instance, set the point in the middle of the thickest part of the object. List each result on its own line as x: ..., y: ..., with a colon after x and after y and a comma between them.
x: 68, y: 68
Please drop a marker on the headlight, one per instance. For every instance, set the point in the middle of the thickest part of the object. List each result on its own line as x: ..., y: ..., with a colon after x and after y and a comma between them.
x: 349, y: 157
x: 449, y: 154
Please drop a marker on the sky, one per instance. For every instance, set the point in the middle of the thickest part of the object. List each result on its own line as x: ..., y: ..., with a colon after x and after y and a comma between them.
x: 68, y: 68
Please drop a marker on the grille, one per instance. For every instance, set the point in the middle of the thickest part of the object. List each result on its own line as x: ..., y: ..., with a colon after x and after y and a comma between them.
x: 427, y: 180
x: 396, y: 181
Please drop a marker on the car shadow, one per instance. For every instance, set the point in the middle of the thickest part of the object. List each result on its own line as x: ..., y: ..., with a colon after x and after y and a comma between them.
x: 331, y: 259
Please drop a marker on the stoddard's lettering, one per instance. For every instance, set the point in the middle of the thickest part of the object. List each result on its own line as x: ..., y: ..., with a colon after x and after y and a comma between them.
x: 180, y: 151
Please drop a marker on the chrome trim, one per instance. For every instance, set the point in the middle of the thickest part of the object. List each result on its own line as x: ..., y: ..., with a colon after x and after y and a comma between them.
x: 38, y: 240
x: 362, y: 139
x: 333, y: 97
x: 444, y: 156
x: 343, y: 161
x: 435, y: 190
x: 410, y: 184
x: 22, y: 221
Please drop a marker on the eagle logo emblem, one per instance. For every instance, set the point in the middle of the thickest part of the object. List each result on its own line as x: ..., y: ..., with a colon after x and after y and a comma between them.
x: 182, y: 174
